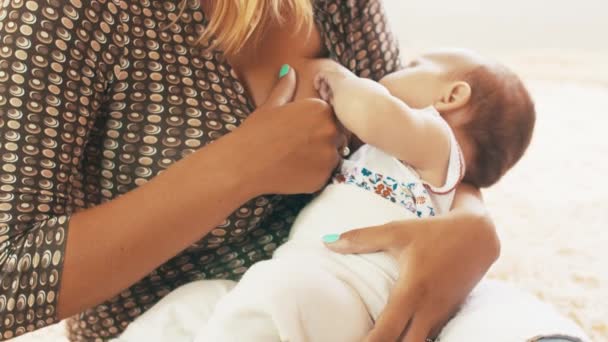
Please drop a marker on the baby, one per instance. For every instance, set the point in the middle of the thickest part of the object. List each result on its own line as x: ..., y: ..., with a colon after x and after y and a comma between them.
x: 447, y: 117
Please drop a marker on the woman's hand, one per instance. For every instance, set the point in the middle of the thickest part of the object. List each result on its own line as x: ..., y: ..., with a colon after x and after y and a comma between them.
x: 294, y: 145
x: 441, y: 260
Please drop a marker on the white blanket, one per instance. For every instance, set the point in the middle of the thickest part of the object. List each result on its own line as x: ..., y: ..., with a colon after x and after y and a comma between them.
x: 495, y: 312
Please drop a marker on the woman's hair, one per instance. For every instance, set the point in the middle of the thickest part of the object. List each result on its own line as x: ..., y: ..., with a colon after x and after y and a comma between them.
x: 232, y: 23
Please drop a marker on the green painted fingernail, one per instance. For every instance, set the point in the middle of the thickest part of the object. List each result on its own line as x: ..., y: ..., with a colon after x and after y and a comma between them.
x: 331, y: 238
x: 284, y: 70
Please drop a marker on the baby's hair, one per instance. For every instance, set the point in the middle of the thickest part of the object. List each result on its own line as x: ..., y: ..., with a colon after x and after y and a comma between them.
x: 503, y: 118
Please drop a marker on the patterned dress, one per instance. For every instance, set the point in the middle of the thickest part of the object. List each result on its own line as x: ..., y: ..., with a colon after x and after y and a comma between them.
x: 95, y: 100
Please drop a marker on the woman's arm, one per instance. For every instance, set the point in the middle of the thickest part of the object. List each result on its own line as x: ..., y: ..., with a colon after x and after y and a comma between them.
x: 444, y: 257
x: 145, y: 227
x: 119, y: 242
x: 468, y: 210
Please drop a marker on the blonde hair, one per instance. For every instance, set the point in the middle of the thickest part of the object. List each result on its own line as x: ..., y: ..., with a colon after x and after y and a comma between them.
x: 232, y: 23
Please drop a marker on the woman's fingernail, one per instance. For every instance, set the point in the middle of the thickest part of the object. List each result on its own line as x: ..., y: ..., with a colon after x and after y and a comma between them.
x: 284, y: 70
x: 331, y: 238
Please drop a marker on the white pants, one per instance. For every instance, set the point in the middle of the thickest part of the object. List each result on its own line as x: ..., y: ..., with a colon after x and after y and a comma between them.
x: 304, y: 294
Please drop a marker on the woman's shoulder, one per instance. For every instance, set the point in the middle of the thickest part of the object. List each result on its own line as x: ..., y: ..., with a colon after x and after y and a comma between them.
x: 358, y: 36
x: 348, y: 3
x: 344, y: 11
x: 68, y: 10
x: 66, y: 18
x: 67, y: 31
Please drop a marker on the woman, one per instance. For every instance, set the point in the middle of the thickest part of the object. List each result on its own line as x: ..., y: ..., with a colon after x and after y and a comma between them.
x: 111, y: 194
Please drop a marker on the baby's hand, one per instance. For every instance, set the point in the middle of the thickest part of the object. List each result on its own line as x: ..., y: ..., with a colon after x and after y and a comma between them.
x: 327, y: 81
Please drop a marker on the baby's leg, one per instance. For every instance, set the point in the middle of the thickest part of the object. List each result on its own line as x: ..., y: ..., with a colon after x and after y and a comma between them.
x: 291, y: 299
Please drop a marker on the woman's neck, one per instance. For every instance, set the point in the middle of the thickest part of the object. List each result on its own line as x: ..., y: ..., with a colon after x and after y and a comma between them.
x: 258, y: 62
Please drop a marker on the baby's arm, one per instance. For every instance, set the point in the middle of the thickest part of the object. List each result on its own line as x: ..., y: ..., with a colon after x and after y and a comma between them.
x: 378, y: 118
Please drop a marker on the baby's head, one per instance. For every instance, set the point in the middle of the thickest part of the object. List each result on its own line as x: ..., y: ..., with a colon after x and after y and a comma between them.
x: 486, y: 105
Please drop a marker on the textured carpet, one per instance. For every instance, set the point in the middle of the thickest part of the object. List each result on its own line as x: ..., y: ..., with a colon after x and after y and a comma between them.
x: 552, y: 209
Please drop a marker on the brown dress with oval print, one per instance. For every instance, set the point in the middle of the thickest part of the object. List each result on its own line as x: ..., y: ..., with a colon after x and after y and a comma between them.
x: 95, y: 100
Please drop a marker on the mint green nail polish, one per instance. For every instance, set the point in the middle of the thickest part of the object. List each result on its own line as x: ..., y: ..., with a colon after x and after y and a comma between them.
x: 331, y: 238
x: 284, y: 70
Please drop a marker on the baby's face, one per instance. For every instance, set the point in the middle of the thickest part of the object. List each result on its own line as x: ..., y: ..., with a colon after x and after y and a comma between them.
x: 424, y: 81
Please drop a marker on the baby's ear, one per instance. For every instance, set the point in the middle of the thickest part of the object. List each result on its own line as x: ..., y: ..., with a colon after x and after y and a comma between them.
x: 456, y: 95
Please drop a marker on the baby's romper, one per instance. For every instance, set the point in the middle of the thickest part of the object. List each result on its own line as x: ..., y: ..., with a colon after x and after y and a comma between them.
x: 308, y: 293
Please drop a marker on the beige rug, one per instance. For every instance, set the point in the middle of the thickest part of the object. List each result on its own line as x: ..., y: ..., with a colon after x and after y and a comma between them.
x: 552, y: 209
